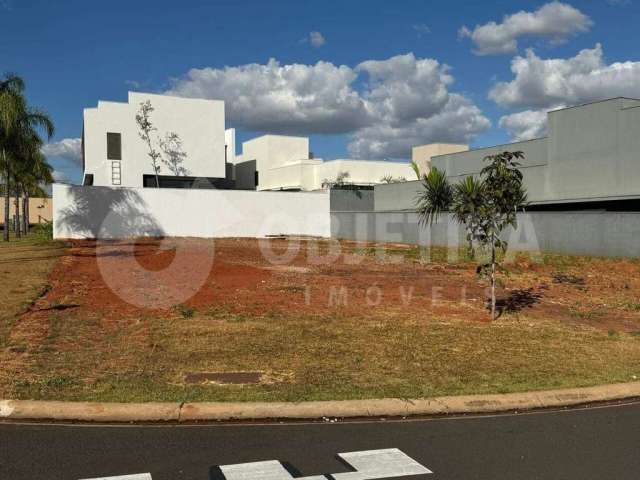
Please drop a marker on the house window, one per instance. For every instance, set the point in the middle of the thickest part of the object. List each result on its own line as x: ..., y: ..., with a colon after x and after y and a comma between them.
x: 114, y: 146
x: 116, y: 178
x: 255, y: 178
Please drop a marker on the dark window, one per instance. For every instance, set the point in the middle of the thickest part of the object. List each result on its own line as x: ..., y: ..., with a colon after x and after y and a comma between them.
x: 114, y: 146
x: 255, y: 176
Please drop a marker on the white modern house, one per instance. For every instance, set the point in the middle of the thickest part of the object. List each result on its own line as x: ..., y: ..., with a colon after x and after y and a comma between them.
x: 195, y: 151
x: 114, y: 154
x: 278, y: 162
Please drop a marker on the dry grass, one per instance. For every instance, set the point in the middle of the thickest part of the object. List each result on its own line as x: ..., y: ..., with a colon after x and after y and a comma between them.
x: 332, y: 353
x: 24, y: 267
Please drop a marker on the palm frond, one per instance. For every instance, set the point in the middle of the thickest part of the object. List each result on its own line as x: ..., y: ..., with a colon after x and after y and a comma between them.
x: 435, y: 198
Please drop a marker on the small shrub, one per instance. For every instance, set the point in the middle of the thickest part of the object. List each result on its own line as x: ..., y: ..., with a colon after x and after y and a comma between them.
x: 43, y: 232
x: 185, y: 310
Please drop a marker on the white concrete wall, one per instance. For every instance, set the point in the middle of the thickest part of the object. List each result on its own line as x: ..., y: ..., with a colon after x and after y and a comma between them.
x: 310, y: 174
x: 230, y: 143
x: 273, y: 151
x: 363, y: 172
x: 104, y: 212
x: 198, y: 122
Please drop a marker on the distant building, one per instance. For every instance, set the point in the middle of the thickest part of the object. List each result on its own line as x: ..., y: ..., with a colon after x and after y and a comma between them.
x: 278, y: 162
x: 421, y: 154
x: 192, y: 133
x: 589, y: 159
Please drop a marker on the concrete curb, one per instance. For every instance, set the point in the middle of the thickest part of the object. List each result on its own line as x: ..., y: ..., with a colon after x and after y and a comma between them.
x: 387, y: 407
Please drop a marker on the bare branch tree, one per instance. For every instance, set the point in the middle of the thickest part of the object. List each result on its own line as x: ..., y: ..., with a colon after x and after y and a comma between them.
x: 143, y: 119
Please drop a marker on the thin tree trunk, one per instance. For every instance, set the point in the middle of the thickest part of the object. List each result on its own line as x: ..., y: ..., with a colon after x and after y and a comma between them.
x: 493, y: 277
x: 25, y: 213
x: 16, y: 218
x: 7, y: 197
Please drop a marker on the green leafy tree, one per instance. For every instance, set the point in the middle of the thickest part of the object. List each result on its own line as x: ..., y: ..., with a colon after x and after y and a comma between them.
x: 485, y: 206
x: 466, y: 204
x: 504, y: 197
x: 19, y: 134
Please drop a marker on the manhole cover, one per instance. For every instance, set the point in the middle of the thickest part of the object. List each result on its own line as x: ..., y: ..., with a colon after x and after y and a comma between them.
x: 235, y: 378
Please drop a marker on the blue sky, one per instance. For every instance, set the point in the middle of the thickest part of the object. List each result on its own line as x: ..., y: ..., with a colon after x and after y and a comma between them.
x: 73, y: 53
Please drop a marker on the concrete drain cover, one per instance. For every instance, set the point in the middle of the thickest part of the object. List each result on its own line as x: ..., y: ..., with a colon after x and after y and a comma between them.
x: 228, y: 378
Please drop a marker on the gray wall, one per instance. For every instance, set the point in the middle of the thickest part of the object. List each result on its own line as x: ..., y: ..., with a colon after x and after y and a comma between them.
x: 396, y: 196
x: 576, y: 233
x: 351, y: 200
x: 592, y: 153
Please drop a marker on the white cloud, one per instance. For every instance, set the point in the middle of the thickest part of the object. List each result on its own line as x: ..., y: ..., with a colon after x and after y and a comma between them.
x: 545, y: 83
x: 277, y: 98
x: 60, y: 177
x: 316, y: 39
x: 400, y: 101
x: 421, y: 29
x: 410, y: 101
x: 554, y: 21
x: 459, y: 121
x: 67, y: 148
x: 525, y: 125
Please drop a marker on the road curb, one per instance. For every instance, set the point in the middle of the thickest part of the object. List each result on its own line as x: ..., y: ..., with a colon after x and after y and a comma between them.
x: 387, y: 407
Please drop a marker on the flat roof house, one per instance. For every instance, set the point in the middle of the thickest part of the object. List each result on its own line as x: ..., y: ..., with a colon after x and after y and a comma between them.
x: 188, y: 131
x: 279, y: 162
x: 195, y: 151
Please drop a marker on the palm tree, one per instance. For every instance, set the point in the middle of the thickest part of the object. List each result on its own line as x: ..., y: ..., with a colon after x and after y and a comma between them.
x: 19, y: 125
x: 10, y: 89
x: 467, y: 201
x: 435, y: 198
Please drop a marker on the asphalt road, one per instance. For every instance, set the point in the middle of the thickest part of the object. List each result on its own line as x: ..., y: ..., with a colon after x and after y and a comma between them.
x: 595, y: 443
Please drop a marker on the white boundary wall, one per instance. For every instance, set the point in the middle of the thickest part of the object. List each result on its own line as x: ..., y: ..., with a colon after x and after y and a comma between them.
x: 105, y: 212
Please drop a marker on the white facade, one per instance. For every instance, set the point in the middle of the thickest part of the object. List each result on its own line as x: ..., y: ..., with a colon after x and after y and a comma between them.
x: 198, y: 123
x: 107, y: 212
x: 284, y: 163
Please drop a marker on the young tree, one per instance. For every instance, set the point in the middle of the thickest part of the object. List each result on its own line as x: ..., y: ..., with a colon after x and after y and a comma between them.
x: 504, y: 196
x: 143, y: 119
x: 467, y: 201
x: 485, y: 206
x: 175, y: 155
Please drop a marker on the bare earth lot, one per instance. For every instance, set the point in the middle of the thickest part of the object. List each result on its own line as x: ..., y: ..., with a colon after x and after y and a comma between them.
x: 357, y: 327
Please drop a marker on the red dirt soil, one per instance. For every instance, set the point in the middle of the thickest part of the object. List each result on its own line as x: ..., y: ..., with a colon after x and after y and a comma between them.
x: 233, y: 275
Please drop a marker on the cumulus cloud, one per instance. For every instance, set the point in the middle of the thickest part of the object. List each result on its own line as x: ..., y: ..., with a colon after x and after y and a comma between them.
x: 546, y: 83
x: 554, y: 21
x: 525, y: 125
x: 316, y: 39
x: 277, y: 98
x: 391, y: 104
x: 459, y: 121
x: 68, y: 148
x: 410, y: 101
x: 539, y: 85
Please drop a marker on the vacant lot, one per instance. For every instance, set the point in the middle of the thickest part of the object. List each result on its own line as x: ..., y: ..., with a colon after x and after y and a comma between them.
x: 310, y: 323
